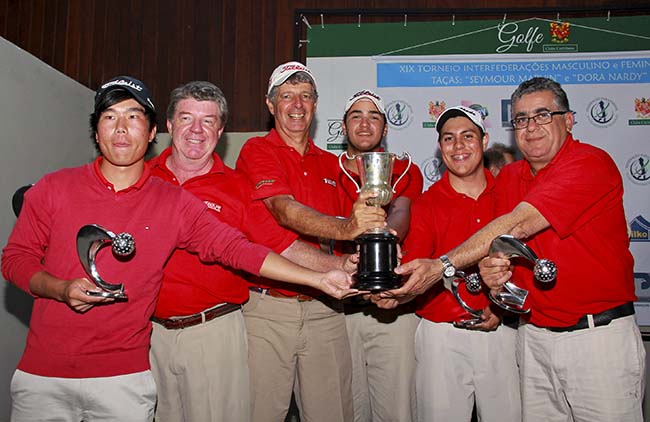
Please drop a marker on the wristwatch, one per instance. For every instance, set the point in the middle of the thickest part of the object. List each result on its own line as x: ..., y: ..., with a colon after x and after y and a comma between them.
x: 448, y: 269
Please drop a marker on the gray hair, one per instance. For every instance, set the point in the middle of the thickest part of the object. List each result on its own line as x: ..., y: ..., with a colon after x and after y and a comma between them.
x: 296, y: 78
x: 200, y: 91
x: 542, y: 84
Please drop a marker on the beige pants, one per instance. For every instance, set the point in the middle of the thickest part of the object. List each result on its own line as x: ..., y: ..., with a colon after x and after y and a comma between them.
x: 457, y: 368
x: 302, y: 345
x: 202, y: 371
x: 124, y: 398
x: 383, y: 364
x: 590, y: 375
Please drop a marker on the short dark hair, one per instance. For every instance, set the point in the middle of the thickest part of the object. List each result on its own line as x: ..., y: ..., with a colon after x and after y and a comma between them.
x: 295, y: 79
x: 494, y: 156
x: 200, y: 91
x: 542, y: 84
x: 110, y: 99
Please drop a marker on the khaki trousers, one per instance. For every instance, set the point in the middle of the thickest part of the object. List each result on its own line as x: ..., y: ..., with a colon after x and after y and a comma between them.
x: 124, y: 398
x: 202, y: 371
x: 457, y: 368
x: 302, y: 346
x: 591, y: 375
x: 382, y: 343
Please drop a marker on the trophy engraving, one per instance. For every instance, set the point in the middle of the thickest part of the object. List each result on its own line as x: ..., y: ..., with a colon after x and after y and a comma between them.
x: 377, y: 247
x: 90, y: 239
x: 473, y: 285
x: 512, y: 298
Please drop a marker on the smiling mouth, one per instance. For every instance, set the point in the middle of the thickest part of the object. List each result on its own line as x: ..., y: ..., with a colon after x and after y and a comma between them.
x: 297, y: 116
x: 461, y: 157
x: 195, y: 141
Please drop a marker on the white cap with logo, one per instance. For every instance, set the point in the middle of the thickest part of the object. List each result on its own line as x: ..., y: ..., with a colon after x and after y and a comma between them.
x: 284, y: 72
x: 368, y: 95
x: 470, y: 113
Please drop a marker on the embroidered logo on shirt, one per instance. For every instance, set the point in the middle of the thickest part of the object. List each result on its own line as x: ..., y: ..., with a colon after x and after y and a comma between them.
x: 264, y: 182
x: 213, y: 206
x: 329, y: 181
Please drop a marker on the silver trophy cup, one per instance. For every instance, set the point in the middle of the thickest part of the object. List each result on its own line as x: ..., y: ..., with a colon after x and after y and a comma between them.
x: 90, y: 239
x: 473, y: 285
x: 377, y: 247
x: 512, y: 298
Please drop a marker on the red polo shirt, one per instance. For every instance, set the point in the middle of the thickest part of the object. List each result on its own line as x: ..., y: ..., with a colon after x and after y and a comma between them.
x: 275, y: 168
x: 580, y: 193
x: 410, y: 186
x: 442, y: 219
x: 189, y: 285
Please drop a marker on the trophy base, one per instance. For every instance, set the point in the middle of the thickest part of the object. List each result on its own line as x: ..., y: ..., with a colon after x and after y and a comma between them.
x: 468, y: 323
x: 377, y: 282
x: 377, y: 260
x: 110, y: 295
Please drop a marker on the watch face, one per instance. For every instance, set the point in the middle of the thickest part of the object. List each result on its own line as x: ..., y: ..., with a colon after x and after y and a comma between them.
x: 449, y: 271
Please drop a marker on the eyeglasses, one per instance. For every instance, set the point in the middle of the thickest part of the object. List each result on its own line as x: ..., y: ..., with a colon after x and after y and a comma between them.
x: 542, y: 118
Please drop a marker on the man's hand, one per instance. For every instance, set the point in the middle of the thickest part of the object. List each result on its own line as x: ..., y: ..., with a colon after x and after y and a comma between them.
x: 336, y: 283
x: 363, y: 217
x: 490, y: 322
x: 495, y: 270
x: 350, y: 262
x: 75, y: 296
x: 389, y: 302
x: 423, y: 273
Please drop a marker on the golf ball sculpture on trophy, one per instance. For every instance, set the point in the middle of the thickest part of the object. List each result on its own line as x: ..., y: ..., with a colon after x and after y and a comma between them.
x: 377, y: 247
x: 90, y: 240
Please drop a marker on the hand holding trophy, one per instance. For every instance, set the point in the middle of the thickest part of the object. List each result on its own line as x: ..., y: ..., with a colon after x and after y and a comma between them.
x: 90, y: 239
x: 377, y: 247
x: 512, y: 298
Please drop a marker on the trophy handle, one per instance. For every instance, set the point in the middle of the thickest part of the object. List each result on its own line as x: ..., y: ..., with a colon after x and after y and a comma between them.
x: 404, y: 155
x: 512, y: 299
x: 345, y: 154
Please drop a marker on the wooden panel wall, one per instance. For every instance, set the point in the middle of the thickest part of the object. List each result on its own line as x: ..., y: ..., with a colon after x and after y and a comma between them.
x: 233, y: 43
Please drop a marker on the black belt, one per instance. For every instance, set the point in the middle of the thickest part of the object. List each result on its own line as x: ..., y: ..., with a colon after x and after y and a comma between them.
x: 177, y: 323
x: 603, y: 318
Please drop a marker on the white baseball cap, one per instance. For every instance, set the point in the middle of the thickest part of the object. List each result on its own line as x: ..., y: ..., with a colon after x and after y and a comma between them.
x: 368, y: 95
x: 470, y: 113
x: 284, y: 72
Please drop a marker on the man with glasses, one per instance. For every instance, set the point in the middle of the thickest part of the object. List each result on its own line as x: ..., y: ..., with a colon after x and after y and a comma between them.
x: 579, y: 350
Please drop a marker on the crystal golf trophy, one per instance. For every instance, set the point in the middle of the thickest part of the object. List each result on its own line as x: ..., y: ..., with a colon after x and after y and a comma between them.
x: 512, y: 297
x: 90, y: 240
x: 377, y: 247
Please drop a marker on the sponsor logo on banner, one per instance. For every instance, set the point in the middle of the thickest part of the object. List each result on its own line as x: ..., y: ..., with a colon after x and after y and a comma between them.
x: 436, y: 108
x: 506, y: 113
x: 560, y: 32
x: 399, y: 114
x: 478, y: 107
x: 431, y: 169
x: 638, y: 170
x: 602, y: 112
x: 642, y: 111
x: 642, y: 286
x: 639, y: 229
x: 335, y: 138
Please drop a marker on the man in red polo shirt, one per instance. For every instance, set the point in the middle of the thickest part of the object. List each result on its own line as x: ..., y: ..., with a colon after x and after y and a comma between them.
x: 381, y: 341
x: 580, y: 351
x: 198, y: 343
x: 295, y: 338
x: 457, y: 368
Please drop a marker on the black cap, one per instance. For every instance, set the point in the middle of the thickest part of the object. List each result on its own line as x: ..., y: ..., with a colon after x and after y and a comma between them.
x: 136, y: 88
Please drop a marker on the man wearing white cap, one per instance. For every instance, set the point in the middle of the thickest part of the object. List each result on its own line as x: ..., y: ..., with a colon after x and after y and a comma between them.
x: 381, y: 341
x: 456, y: 367
x: 296, y: 338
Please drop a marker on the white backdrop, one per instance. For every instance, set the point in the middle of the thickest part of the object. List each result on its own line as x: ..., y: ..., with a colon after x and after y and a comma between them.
x: 609, y: 93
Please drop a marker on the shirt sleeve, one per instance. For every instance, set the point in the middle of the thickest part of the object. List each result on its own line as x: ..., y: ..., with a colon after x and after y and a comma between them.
x: 215, y: 241
x: 23, y: 255
x: 259, y: 162
x: 411, y: 184
x: 576, y: 190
